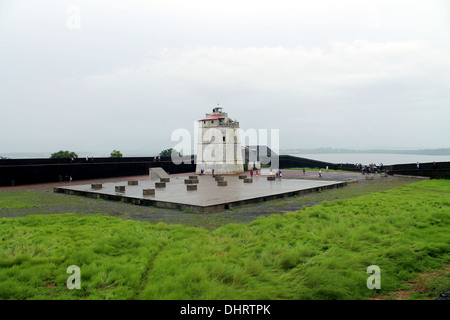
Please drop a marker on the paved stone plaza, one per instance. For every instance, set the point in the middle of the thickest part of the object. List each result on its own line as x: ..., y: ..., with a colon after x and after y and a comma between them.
x: 211, y: 194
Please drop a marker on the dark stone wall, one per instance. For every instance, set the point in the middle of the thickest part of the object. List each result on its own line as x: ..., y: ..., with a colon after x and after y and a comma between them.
x: 286, y: 162
x: 29, y: 171
x: 440, y: 171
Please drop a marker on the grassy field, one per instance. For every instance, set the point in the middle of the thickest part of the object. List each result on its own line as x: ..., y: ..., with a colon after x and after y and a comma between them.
x: 39, y: 200
x: 18, y: 200
x: 319, y: 252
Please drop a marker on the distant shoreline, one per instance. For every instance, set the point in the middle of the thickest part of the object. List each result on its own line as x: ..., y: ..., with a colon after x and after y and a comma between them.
x: 428, y: 152
x: 377, y: 158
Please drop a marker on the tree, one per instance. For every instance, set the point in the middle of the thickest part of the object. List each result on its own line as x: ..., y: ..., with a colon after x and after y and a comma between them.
x: 116, y: 154
x: 3, y: 158
x: 168, y: 152
x: 63, y: 155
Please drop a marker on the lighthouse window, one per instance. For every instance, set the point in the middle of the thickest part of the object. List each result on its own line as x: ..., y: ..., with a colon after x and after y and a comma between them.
x: 223, y: 139
x: 212, y: 121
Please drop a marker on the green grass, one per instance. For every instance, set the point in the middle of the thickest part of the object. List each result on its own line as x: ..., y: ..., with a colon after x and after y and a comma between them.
x: 320, y: 252
x: 113, y: 255
x: 18, y: 199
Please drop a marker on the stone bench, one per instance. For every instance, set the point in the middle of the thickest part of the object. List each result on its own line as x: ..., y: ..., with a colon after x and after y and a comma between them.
x: 191, y: 187
x: 133, y: 183
x: 164, y: 180
x: 96, y: 186
x: 193, y: 177
x: 160, y: 184
x: 148, y: 192
x: 270, y: 178
x: 120, y: 188
x: 222, y: 183
x: 242, y: 177
x: 219, y: 178
x: 248, y: 180
x: 369, y: 178
x: 190, y: 181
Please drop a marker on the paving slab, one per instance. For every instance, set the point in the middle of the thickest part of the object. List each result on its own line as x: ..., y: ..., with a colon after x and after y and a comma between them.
x: 209, y: 196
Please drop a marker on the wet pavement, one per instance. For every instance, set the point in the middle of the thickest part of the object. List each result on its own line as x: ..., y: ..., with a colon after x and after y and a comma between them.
x: 209, y: 196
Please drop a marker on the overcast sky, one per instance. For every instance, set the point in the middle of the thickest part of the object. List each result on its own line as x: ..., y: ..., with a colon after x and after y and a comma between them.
x: 92, y: 76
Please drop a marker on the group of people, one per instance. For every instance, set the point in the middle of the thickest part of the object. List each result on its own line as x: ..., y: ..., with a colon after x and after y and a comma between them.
x: 67, y: 178
x: 276, y: 173
x: 320, y: 171
x: 369, y: 168
x: 256, y: 173
x: 202, y: 172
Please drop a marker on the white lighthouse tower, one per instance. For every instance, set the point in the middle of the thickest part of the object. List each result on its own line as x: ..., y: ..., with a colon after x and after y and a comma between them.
x: 219, y: 144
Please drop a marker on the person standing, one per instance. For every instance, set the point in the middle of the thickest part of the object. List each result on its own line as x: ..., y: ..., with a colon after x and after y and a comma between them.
x: 304, y: 171
x: 418, y: 165
x: 251, y: 173
x: 320, y: 173
x: 280, y: 174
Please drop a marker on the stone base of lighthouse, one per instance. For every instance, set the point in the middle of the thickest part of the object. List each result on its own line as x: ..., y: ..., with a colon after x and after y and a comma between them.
x: 219, y: 168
